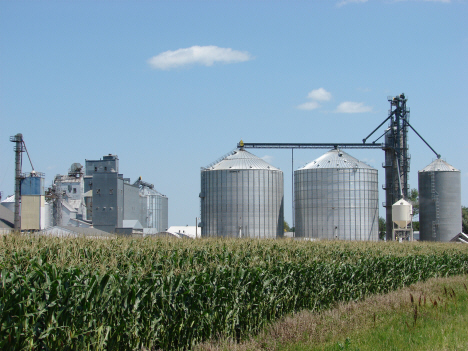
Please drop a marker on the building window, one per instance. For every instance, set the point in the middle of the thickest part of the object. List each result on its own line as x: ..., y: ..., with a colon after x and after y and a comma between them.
x: 95, y: 169
x: 74, y: 190
x: 105, y: 168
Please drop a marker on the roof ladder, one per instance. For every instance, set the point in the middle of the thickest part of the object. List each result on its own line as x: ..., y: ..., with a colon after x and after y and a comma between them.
x: 435, y: 198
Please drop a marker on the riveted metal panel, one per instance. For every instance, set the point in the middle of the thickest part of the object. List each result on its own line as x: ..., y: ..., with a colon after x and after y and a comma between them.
x: 32, y: 185
x: 439, y: 202
x: 244, y: 199
x: 157, y: 209
x: 336, y: 200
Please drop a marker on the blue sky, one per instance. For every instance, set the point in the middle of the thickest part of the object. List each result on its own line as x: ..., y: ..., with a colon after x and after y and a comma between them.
x: 170, y: 86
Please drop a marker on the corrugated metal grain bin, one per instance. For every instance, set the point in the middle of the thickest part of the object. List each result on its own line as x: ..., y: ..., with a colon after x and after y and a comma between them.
x: 242, y: 196
x: 439, y: 202
x: 336, y: 197
x: 157, y: 209
x: 32, y: 184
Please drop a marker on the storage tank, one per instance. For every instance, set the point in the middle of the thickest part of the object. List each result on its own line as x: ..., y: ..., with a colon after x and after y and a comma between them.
x: 402, y: 212
x: 336, y: 197
x: 402, y: 216
x: 241, y: 196
x: 439, y: 202
x: 157, y: 209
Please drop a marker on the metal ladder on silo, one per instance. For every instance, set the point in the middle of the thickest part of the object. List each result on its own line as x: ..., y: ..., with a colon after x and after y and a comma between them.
x: 435, y: 198
x: 202, y: 197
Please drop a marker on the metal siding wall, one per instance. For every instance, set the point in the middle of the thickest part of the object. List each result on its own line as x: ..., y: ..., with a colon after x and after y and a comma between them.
x: 163, y: 220
x: 31, y: 212
x: 101, y: 166
x: 120, y: 202
x: 143, y: 211
x: 107, y: 208
x: 337, y: 203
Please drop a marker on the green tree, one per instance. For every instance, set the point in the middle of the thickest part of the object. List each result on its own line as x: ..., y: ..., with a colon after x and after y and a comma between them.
x: 286, y: 227
x: 465, y: 219
x: 413, y: 197
x: 382, y: 228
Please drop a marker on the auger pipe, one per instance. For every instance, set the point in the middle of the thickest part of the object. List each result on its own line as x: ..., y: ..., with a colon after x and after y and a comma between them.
x: 380, y: 125
x: 414, y: 130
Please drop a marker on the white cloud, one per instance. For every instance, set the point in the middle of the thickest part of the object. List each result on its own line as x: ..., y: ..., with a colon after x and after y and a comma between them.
x: 369, y: 161
x: 311, y: 105
x: 319, y: 95
x: 315, y: 95
x: 352, y: 107
x: 444, y: 1
x: 267, y: 158
x: 346, y: 2
x: 202, y: 55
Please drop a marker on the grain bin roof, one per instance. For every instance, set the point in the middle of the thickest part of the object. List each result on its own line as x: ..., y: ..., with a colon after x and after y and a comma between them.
x: 336, y: 159
x: 10, y: 198
x: 439, y: 165
x: 241, y: 159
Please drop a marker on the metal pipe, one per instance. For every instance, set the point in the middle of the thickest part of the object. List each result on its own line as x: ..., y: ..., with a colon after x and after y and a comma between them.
x: 414, y: 130
x: 311, y: 145
x: 292, y: 187
x: 379, y: 137
x: 380, y: 125
x: 24, y: 144
x: 399, y: 178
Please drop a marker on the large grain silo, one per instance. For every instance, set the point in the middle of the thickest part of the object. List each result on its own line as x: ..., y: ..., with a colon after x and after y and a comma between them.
x: 439, y: 202
x: 336, y: 197
x: 242, y: 196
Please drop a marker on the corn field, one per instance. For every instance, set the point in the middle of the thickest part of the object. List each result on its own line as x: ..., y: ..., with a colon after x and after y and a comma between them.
x: 149, y: 293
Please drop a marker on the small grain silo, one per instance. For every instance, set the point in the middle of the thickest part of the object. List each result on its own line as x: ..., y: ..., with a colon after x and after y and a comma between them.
x: 157, y: 209
x: 336, y: 197
x: 33, y: 214
x: 242, y: 196
x: 439, y: 202
x: 402, y: 216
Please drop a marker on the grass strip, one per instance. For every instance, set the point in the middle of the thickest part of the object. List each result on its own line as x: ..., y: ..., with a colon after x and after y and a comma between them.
x: 431, y: 315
